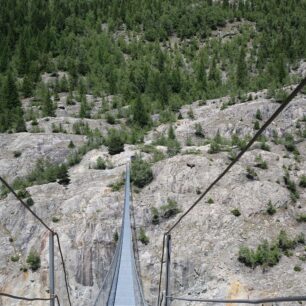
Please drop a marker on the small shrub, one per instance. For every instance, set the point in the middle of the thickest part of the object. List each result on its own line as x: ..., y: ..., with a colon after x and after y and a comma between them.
x: 302, y: 182
x: 117, y: 185
x: 301, y: 218
x: 190, y: 114
x: 251, y: 174
x: 210, y: 201
x: 33, y: 260
x: 110, y: 118
x: 15, y: 258
x: 55, y: 219
x: 291, y: 186
x: 271, y: 209
x: 264, y: 146
x: 289, y: 143
x: 258, y: 115
x: 256, y: 125
x: 71, y: 145
x: 297, y: 268
x: 280, y: 95
x: 173, y: 147
x: 23, y: 193
x: 115, y: 142
x: 214, y: 147
x: 30, y: 202
x: 302, y: 258
x: 284, y: 242
x: 142, y: 173
x: 17, y: 154
x: 300, y: 238
x: 170, y: 209
x: 260, y: 163
x: 199, y: 131
x: 116, y: 236
x: 155, y: 216
x: 100, y: 164
x: 189, y: 142
x: 236, y: 212
x: 143, y: 238
x: 266, y: 255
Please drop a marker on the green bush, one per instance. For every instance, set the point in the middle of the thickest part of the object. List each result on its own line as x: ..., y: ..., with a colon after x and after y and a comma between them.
x: 30, y: 202
x: 190, y: 114
x: 100, y: 164
x: 33, y: 260
x: 210, y: 201
x: 81, y: 128
x: 251, y: 174
x: 173, y: 147
x: 17, y: 154
x: 155, y: 216
x: 265, y: 255
x: 256, y: 125
x: 290, y: 144
x: 291, y: 186
x: 215, y: 147
x: 297, y: 268
x: 302, y: 182
x: 236, y: 212
x: 264, y: 146
x: 93, y: 142
x: 115, y: 142
x: 143, y: 237
x: 117, y: 185
x: 142, y: 173
x: 258, y: 115
x: 23, y: 193
x: 301, y: 218
x: 15, y: 258
x: 260, y: 163
x: 271, y: 209
x: 71, y: 145
x: 198, y: 130
x: 116, y: 236
x: 110, y: 118
x: 170, y: 209
x: 284, y: 242
x: 55, y: 219
x: 268, y: 254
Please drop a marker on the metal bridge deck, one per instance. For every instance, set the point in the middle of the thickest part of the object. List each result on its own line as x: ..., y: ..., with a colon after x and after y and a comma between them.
x: 125, y: 291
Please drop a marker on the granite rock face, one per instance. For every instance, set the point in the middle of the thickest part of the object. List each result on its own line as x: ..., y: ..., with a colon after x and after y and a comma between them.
x: 205, y: 245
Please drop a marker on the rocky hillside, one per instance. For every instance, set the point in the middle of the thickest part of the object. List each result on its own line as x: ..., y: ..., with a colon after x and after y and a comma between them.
x: 262, y: 198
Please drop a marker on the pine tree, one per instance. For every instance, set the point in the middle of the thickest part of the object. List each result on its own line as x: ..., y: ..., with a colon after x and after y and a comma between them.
x: 48, y: 107
x: 27, y: 86
x: 10, y: 106
x: 140, y: 114
x: 242, y: 73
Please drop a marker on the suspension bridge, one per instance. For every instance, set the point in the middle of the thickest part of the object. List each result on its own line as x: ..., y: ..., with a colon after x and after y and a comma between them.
x: 122, y: 284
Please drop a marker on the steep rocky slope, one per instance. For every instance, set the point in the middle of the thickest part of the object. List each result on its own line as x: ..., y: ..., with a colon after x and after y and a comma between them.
x: 205, y: 245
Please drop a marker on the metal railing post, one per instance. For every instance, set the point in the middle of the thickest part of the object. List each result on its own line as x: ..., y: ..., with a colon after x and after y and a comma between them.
x: 168, y: 262
x: 51, y: 269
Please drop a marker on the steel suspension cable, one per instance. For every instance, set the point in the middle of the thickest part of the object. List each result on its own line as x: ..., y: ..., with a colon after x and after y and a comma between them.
x: 29, y: 299
x: 242, y: 152
x: 25, y: 205
x: 284, y: 104
x: 64, y: 267
x: 243, y: 301
x: 48, y: 228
